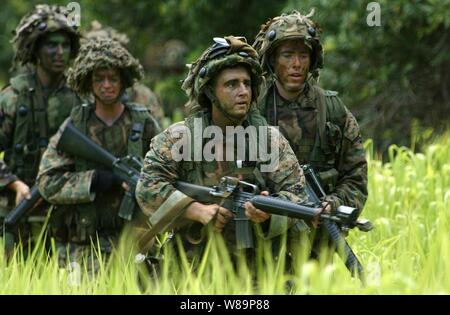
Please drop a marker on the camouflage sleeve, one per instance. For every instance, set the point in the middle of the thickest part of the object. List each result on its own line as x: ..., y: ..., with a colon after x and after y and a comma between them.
x: 287, y: 181
x: 6, y: 177
x: 151, y: 129
x: 351, y: 187
x: 8, y: 102
x: 58, y: 182
x: 155, y: 192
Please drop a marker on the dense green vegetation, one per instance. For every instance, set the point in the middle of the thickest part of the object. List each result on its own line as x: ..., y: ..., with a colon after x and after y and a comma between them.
x: 395, y: 77
x: 408, y: 252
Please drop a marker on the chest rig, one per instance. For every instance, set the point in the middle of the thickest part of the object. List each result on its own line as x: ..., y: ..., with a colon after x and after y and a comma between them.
x: 37, y: 118
x: 322, y: 117
x: 208, y: 173
x: 87, y: 217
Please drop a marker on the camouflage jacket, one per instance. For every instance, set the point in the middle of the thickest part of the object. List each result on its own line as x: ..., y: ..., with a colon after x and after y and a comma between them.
x: 64, y: 180
x: 28, y: 118
x: 325, y: 134
x: 156, y: 194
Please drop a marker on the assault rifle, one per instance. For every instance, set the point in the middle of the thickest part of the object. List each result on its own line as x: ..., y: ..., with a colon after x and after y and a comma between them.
x: 75, y: 143
x: 23, y: 208
x: 128, y: 168
x: 335, y: 229
x: 229, y: 194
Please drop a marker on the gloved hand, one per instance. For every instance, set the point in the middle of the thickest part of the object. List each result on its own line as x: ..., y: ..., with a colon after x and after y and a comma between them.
x: 104, y: 180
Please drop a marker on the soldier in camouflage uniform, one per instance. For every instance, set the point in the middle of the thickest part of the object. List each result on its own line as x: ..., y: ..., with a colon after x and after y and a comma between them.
x: 222, y: 87
x: 320, y: 129
x: 86, y: 196
x: 37, y: 101
x: 138, y: 93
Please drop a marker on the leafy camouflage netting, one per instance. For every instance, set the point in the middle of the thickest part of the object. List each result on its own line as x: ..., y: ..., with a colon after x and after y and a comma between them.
x: 103, y: 53
x: 226, y: 52
x: 42, y: 20
x: 97, y: 30
x: 289, y: 26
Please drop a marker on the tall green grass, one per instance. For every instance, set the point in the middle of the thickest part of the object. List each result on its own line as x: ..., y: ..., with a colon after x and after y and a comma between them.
x: 408, y: 252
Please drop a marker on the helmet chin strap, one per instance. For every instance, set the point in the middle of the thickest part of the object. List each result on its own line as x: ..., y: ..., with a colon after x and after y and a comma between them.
x: 215, y: 102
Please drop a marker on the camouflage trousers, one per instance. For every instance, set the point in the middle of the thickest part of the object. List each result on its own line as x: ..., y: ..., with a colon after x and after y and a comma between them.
x: 86, y: 256
x: 297, y: 240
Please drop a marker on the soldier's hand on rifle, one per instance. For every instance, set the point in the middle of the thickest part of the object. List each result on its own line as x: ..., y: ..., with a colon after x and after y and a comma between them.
x: 326, y: 208
x: 255, y: 215
x: 21, y: 189
x: 104, y: 180
x: 125, y: 186
x: 204, y: 214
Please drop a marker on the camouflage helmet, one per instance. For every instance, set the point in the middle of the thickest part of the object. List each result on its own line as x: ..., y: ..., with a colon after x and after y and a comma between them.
x: 97, y: 30
x: 102, y: 53
x: 42, y: 20
x: 289, y: 26
x: 224, y: 53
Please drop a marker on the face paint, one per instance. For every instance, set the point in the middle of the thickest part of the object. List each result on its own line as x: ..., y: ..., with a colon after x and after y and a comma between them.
x: 54, y: 52
x: 292, y: 62
x: 106, y: 85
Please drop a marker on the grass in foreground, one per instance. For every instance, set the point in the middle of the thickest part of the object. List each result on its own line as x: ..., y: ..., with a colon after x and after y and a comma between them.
x: 408, y: 252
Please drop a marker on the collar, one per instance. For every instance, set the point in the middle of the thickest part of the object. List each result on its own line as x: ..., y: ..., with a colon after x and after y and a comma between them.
x: 304, y: 100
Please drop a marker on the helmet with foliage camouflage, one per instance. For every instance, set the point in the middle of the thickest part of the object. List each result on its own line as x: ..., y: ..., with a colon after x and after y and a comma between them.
x: 42, y: 20
x: 289, y: 26
x: 102, y: 53
x: 97, y: 30
x: 224, y: 53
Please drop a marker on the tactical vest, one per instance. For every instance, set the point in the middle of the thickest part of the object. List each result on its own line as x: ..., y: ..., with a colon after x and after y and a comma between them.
x: 197, y: 172
x: 86, y: 216
x: 322, y: 151
x: 194, y: 171
x: 31, y: 131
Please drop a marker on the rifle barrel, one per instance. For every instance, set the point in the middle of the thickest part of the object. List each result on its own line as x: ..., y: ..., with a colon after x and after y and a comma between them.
x: 22, y: 208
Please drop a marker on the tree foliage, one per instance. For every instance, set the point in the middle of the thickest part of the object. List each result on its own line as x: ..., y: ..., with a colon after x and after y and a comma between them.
x: 395, y: 77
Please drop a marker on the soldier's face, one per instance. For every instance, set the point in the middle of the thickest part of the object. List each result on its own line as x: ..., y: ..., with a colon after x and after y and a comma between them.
x: 233, y: 90
x: 54, y: 52
x: 106, y: 85
x: 291, y: 65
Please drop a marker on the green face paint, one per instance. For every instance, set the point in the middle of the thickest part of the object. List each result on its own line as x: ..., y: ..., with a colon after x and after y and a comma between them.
x: 54, y: 52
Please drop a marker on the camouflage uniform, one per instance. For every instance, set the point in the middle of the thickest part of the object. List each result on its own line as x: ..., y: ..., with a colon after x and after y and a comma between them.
x: 81, y: 215
x: 30, y: 115
x: 138, y: 93
x: 318, y: 126
x: 155, y: 191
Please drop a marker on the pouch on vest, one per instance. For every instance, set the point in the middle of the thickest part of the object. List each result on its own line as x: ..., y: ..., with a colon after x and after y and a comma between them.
x: 328, y: 179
